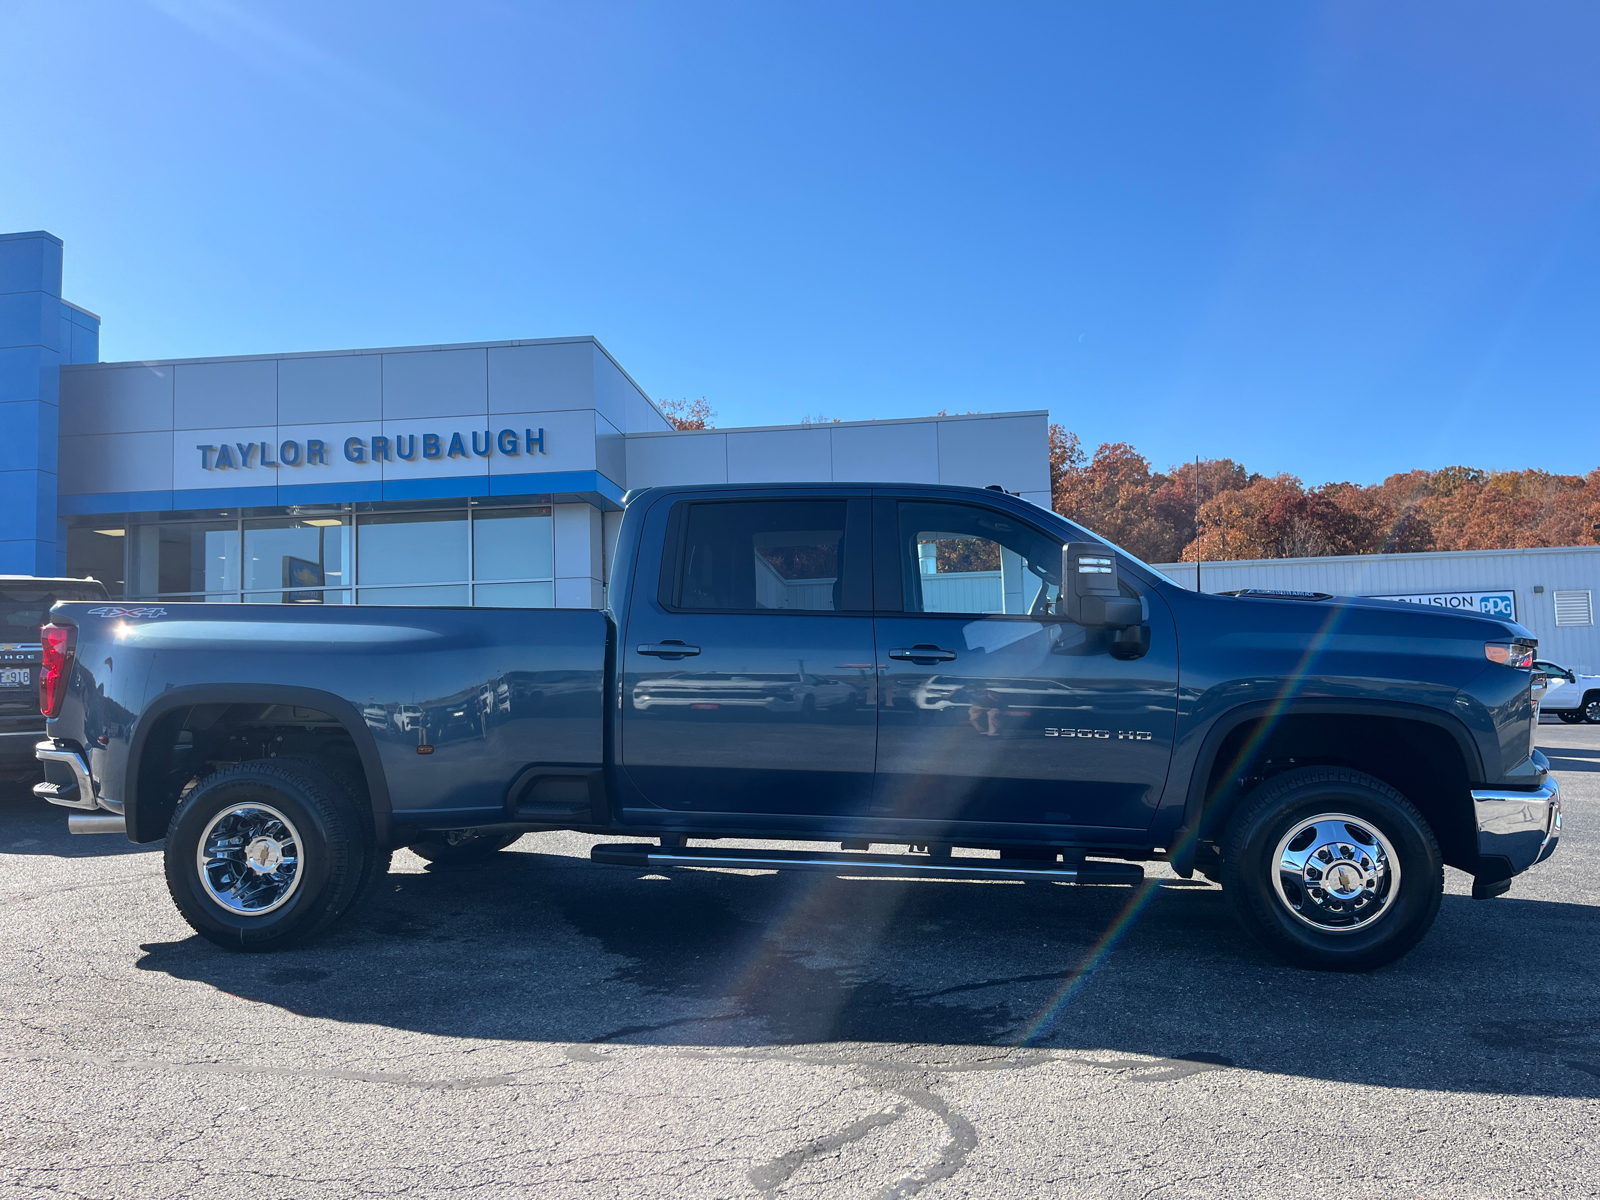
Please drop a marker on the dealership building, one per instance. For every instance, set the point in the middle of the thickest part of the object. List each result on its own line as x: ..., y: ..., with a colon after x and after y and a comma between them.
x: 490, y: 473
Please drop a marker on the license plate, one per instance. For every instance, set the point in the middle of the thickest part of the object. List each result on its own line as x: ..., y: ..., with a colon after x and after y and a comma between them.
x: 13, y: 676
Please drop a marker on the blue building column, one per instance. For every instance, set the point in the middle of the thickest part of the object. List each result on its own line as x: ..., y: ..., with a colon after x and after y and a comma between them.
x: 39, y: 332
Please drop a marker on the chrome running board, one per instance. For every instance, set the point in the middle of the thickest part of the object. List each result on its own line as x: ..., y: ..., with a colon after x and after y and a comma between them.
x: 648, y: 857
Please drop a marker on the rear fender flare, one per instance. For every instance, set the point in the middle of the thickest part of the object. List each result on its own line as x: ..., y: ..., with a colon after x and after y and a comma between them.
x: 339, y: 709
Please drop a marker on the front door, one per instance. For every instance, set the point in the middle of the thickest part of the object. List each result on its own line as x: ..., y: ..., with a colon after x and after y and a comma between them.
x: 748, y: 677
x: 993, y: 708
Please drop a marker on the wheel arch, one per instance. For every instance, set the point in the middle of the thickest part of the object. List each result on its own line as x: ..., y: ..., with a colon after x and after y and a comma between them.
x: 147, y: 822
x: 1435, y: 773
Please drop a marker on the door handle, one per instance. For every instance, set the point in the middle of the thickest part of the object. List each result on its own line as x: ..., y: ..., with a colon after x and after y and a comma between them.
x: 924, y: 654
x: 669, y: 649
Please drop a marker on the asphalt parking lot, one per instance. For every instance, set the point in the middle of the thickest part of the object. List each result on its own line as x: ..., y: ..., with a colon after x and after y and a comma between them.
x: 547, y: 1027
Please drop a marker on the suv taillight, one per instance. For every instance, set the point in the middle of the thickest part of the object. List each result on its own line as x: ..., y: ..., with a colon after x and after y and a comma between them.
x: 58, y: 641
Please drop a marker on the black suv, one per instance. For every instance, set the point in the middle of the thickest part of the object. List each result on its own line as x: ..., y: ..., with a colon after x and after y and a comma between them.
x: 24, y: 606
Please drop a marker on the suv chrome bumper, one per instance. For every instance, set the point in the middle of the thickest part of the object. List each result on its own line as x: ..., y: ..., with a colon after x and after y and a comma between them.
x: 79, y: 794
x: 1523, y: 828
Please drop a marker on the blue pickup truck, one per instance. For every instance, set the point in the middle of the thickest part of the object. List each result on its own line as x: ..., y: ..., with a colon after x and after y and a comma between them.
x: 942, y: 682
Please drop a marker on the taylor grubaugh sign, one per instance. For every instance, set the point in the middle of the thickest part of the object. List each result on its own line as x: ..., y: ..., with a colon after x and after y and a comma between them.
x: 378, y: 448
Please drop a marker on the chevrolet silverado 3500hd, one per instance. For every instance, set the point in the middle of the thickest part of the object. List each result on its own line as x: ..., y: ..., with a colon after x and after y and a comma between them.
x: 962, y: 678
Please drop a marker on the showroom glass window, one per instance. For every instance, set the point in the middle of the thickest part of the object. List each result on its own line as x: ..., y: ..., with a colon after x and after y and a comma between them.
x: 292, y: 560
x: 422, y: 556
x: 97, y: 552
x: 489, y: 556
x: 195, y: 560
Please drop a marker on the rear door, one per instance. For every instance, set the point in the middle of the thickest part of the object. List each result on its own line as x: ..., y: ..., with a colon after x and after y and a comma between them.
x: 747, y: 671
x: 994, y: 708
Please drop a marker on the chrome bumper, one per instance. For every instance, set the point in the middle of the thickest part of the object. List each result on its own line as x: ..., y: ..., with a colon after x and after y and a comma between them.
x: 82, y: 794
x: 1523, y: 828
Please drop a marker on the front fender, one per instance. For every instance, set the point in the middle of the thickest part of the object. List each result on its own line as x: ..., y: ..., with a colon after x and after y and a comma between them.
x: 1185, y: 837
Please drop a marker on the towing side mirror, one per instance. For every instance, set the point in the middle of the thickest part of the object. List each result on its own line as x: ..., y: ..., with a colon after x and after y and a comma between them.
x: 1089, y: 586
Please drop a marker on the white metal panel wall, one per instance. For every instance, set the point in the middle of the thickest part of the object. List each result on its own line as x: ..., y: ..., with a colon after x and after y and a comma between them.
x: 1010, y: 449
x: 1570, y: 568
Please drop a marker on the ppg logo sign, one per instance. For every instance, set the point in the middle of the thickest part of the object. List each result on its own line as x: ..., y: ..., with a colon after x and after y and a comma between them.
x: 1499, y: 605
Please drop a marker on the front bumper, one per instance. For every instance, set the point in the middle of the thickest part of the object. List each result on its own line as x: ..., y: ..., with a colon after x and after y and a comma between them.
x: 1521, y: 828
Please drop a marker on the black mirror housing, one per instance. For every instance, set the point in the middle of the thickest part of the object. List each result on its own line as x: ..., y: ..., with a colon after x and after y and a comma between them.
x: 1090, y: 588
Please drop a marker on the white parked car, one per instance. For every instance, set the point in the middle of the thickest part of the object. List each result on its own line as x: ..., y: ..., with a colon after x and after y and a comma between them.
x: 1572, y: 697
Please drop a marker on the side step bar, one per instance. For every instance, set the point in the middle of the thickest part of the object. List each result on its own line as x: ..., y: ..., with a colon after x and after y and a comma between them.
x: 646, y: 856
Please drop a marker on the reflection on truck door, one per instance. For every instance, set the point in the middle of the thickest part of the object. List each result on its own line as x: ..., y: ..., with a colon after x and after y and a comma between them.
x: 747, y: 684
x: 993, y: 707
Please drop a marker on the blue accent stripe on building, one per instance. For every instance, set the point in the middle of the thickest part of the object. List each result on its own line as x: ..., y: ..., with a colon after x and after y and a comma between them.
x: 436, y: 489
x: 589, y: 484
x: 114, y: 502
x: 331, y: 493
x: 245, y: 497
x: 553, y: 482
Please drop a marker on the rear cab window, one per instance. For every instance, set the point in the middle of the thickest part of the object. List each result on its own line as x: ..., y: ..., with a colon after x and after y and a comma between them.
x: 754, y: 556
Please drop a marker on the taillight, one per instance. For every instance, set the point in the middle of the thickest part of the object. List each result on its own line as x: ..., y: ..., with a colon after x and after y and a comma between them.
x: 1510, y: 654
x: 59, y: 641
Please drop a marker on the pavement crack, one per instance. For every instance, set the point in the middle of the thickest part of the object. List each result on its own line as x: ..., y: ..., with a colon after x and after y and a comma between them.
x: 769, y: 1177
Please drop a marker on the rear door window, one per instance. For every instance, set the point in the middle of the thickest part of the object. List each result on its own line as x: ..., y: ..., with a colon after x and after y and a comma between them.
x: 770, y: 556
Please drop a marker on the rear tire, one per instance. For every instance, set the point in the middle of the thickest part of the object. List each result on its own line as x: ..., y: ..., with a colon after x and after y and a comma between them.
x: 1332, y: 870
x: 462, y: 846
x: 1591, y: 708
x: 266, y: 854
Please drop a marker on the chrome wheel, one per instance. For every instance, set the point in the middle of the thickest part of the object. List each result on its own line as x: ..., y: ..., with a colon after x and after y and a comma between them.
x: 1336, y: 873
x: 1591, y: 712
x: 249, y: 859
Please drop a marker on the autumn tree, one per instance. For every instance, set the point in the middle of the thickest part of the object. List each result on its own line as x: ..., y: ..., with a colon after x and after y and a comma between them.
x: 688, y: 414
x: 1110, y: 494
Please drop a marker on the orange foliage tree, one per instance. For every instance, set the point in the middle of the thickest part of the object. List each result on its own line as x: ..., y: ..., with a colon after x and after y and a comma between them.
x: 688, y: 414
x: 1216, y: 509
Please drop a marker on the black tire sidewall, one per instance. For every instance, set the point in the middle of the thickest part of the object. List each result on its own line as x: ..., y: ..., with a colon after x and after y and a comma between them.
x: 328, y: 853
x: 1250, y: 879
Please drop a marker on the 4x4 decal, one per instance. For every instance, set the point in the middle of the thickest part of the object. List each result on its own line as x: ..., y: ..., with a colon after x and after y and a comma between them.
x: 116, y: 610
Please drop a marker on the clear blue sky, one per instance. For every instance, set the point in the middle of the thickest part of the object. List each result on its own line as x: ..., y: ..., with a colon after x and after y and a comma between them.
x: 1334, y: 239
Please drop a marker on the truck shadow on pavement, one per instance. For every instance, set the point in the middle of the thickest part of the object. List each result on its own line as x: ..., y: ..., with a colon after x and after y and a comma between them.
x: 30, y: 826
x: 548, y: 948
x: 1572, y: 759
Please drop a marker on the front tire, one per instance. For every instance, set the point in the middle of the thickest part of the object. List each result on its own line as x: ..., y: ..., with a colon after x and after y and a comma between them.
x: 1571, y: 716
x: 1332, y: 869
x: 266, y: 854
